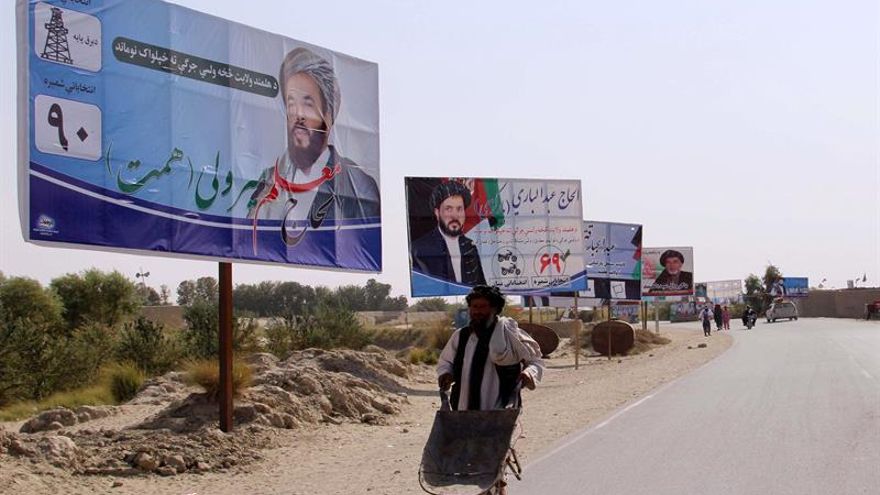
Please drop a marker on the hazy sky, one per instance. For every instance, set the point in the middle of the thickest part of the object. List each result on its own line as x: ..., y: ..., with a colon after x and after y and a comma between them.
x: 749, y: 130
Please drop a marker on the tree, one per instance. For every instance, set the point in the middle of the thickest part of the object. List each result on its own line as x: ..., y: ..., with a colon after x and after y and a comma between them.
x: 105, y: 298
x: 352, y: 297
x: 375, y: 294
x: 164, y: 294
x: 398, y: 303
x: 148, y: 295
x: 771, y: 275
x: 25, y: 299
x: 147, y: 345
x: 204, y: 289
x: 430, y: 304
x: 201, y: 338
x: 756, y: 296
x: 754, y: 285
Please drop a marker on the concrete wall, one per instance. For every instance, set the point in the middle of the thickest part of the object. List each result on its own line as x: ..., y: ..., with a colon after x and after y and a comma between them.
x: 844, y: 303
x: 169, y: 316
x: 391, y: 318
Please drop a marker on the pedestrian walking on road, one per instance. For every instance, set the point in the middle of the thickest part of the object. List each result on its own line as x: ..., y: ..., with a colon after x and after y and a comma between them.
x: 706, y: 318
x: 725, y: 317
x: 717, y: 315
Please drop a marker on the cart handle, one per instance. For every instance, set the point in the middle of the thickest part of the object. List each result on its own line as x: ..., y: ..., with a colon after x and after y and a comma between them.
x: 444, y: 400
x: 515, y: 401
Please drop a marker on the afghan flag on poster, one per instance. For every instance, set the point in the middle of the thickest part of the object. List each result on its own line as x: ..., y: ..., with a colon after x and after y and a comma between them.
x: 485, y: 204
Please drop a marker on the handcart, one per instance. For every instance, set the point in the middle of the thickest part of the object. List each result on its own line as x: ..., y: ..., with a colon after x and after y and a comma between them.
x: 468, y: 452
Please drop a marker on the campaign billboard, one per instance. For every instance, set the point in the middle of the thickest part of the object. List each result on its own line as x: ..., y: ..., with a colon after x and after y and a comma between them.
x: 524, y: 236
x: 725, y: 291
x: 790, y: 287
x: 152, y: 128
x: 668, y: 271
x: 613, y: 256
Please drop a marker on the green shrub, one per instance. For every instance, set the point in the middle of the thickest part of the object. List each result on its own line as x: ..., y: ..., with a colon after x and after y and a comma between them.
x: 419, y: 355
x: 206, y: 374
x: 201, y: 338
x: 148, y: 346
x: 281, y: 338
x: 124, y: 379
x: 89, y: 348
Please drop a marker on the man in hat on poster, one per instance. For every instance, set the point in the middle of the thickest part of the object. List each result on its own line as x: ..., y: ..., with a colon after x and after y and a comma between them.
x: 672, y: 278
x: 445, y: 252
x: 311, y: 180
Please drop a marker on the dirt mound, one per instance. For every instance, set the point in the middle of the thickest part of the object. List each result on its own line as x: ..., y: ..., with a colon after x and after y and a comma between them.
x: 57, y: 419
x: 310, y: 387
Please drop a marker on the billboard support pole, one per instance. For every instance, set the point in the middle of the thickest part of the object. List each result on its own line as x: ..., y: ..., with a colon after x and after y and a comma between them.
x: 225, y: 327
x: 644, y: 305
x: 531, y: 305
x: 577, y: 334
x: 609, y: 329
x: 657, y: 318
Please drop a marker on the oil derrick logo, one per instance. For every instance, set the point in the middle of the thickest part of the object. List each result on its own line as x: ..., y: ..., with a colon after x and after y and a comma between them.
x: 56, y: 48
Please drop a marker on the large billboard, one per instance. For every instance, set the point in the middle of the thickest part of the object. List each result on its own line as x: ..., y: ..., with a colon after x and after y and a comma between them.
x: 524, y: 236
x: 613, y: 255
x: 151, y: 128
x: 790, y: 287
x: 668, y: 271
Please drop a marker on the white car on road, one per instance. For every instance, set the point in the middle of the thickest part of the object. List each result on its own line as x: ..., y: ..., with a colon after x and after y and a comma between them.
x: 783, y: 309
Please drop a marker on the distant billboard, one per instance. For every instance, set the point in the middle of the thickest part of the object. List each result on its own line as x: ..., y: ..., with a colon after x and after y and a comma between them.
x: 684, y: 311
x: 725, y: 291
x: 790, y: 287
x: 152, y: 128
x: 668, y: 271
x: 613, y: 256
x: 524, y: 236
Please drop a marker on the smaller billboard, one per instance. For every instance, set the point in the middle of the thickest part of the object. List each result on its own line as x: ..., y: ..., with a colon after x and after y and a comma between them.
x: 725, y: 291
x: 524, y: 236
x: 668, y: 271
x: 790, y: 287
x: 613, y: 255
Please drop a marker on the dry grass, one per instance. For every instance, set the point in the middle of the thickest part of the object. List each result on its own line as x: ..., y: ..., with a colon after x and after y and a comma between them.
x: 206, y: 374
x: 439, y: 333
x: 94, y: 395
x: 397, y: 339
x: 645, y: 341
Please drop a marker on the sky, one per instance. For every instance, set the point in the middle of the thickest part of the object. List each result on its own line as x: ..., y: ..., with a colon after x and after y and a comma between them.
x: 749, y: 130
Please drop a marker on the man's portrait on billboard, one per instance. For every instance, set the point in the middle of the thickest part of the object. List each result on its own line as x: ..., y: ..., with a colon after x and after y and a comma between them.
x: 311, y: 180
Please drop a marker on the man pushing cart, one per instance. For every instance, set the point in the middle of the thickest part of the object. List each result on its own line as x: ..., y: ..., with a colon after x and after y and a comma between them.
x: 485, y: 363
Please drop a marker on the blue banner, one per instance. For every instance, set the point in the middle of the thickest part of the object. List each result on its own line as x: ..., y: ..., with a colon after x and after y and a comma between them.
x: 157, y: 129
x: 791, y: 287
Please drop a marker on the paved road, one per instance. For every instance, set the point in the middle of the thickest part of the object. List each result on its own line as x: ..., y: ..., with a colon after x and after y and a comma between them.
x: 790, y: 408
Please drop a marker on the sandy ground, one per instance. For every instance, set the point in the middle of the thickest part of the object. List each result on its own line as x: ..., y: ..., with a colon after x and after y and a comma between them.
x: 359, y: 458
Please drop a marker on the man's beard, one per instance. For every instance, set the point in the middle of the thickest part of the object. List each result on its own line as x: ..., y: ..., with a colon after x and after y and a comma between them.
x: 305, y: 157
x: 483, y: 323
x: 446, y: 230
